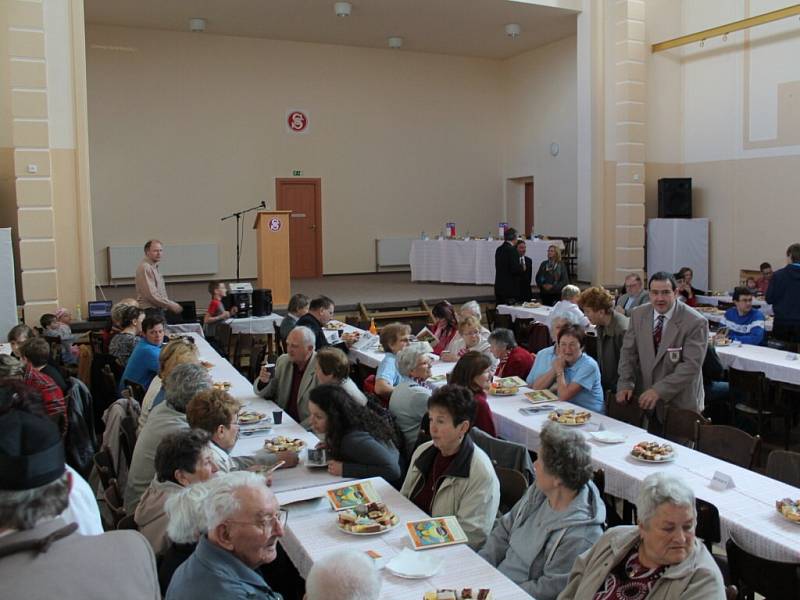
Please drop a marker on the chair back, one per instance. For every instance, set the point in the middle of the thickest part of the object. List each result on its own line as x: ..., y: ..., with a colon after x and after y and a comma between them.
x: 113, y: 500
x: 80, y: 441
x: 98, y: 342
x: 223, y: 335
x: 750, y: 383
x: 679, y: 425
x: 503, y: 321
x: 707, y: 528
x: 504, y: 453
x: 137, y: 390
x: 784, y: 466
x: 127, y: 436
x: 539, y: 337
x: 755, y: 575
x: 590, y: 345
x: 242, y: 353
x: 628, y: 412
x: 104, y: 465
x: 728, y: 443
x: 522, y: 331
x: 782, y: 345
x: 128, y: 522
x: 280, y: 343
x: 513, y: 486
x: 491, y: 315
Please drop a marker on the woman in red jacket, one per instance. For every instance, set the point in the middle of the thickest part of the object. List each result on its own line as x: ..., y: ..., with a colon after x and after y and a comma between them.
x: 514, y: 360
x: 445, y: 327
x: 474, y: 372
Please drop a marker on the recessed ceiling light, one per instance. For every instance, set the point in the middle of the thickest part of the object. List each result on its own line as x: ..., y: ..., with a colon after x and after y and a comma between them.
x: 395, y: 42
x: 513, y: 30
x: 342, y: 9
x: 197, y: 25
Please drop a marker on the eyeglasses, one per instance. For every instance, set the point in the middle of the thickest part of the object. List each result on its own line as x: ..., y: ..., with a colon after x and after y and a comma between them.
x: 267, y: 523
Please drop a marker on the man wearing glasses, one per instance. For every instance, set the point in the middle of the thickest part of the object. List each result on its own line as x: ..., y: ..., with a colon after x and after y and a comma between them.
x: 245, y: 523
x: 662, y: 353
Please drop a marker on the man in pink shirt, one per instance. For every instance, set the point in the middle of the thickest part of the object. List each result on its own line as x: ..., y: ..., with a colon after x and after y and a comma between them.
x: 150, y: 287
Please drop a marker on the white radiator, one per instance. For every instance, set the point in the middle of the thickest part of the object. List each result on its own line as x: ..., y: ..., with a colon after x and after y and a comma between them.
x: 187, y: 259
x: 392, y: 252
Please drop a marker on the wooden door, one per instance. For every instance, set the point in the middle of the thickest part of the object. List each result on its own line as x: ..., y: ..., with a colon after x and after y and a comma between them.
x: 303, y: 198
x: 528, y: 208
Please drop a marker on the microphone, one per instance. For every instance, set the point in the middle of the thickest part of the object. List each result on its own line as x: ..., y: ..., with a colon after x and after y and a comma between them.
x: 263, y: 204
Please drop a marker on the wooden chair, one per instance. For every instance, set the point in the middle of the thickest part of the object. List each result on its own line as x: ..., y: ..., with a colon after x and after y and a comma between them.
x: 781, y: 345
x: 539, y: 337
x: 98, y: 342
x: 104, y: 465
x: 708, y: 527
x: 522, y: 330
x: 755, y: 575
x: 513, y: 486
x: 787, y: 404
x: 137, y: 390
x: 280, y: 343
x: 491, y: 315
x: 223, y: 336
x: 679, y: 425
x: 629, y: 412
x: 784, y: 466
x: 750, y: 396
x: 128, y: 522
x: 113, y: 500
x: 503, y: 321
x: 728, y: 443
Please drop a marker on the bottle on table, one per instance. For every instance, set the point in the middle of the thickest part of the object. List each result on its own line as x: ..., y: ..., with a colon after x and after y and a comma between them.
x: 372, y: 329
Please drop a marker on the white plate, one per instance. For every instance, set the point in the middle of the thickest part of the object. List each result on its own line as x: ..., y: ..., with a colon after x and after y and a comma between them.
x: 653, y: 462
x: 608, y: 437
x: 414, y: 565
x: 367, y: 532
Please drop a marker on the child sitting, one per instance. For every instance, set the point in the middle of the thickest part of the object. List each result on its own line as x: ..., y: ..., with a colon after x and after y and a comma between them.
x: 216, y: 311
x: 52, y: 327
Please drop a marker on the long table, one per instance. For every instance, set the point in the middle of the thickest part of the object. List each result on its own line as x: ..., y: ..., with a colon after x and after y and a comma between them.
x: 539, y: 313
x: 258, y: 325
x: 310, y: 535
x: 747, y: 512
x: 778, y: 365
x: 759, y: 303
x: 466, y: 261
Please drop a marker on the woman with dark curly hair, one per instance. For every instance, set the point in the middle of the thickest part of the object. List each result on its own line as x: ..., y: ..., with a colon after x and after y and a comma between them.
x: 445, y: 327
x: 358, y: 442
x: 474, y: 372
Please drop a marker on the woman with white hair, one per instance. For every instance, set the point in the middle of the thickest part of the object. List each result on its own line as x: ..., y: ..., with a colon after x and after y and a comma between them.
x: 409, y: 400
x: 347, y: 575
x: 658, y: 559
x: 569, y: 303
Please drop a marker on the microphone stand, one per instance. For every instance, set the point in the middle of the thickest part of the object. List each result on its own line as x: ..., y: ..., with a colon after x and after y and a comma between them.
x: 238, y: 216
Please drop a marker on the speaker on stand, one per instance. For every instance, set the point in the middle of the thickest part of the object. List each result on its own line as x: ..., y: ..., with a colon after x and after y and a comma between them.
x: 675, y: 198
x: 262, y: 303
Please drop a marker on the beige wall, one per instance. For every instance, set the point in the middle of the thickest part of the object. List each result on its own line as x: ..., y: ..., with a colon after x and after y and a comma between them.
x: 186, y: 128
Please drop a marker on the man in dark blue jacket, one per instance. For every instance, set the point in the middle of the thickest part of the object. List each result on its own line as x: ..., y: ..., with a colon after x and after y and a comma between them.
x: 507, y: 269
x: 784, y: 296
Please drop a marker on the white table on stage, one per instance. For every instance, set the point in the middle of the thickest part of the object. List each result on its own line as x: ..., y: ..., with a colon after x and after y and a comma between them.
x: 747, y: 512
x: 465, y: 261
x: 298, y: 477
x: 539, y: 313
x: 778, y: 365
x: 258, y: 325
x: 310, y: 535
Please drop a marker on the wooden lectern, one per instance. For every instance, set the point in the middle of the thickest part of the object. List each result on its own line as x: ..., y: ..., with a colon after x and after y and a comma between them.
x: 272, y: 235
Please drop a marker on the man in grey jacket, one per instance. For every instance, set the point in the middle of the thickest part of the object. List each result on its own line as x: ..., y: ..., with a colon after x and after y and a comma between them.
x: 559, y: 517
x: 635, y: 295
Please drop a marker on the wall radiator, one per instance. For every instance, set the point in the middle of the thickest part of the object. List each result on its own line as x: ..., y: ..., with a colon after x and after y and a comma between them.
x: 187, y: 259
x: 392, y: 252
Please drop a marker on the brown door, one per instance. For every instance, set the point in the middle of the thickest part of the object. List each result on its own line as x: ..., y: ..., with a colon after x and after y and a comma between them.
x: 528, y: 208
x: 303, y: 198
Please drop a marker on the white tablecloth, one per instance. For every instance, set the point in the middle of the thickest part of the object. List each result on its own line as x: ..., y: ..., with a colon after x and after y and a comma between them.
x: 715, y: 300
x: 5, y: 348
x: 471, y: 261
x: 775, y: 364
x: 258, y: 325
x: 185, y: 328
x: 747, y: 512
x: 540, y: 313
x: 283, y: 479
x: 311, y: 535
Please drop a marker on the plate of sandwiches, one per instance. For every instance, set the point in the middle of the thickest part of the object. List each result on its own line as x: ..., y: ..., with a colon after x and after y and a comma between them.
x: 367, y: 519
x: 789, y: 509
x: 333, y: 325
x: 653, y: 452
x: 251, y: 417
x: 570, y: 417
x: 284, y: 444
x: 463, y: 594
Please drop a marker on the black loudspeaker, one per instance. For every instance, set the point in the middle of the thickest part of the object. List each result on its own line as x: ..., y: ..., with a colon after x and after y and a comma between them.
x: 675, y: 198
x: 262, y: 303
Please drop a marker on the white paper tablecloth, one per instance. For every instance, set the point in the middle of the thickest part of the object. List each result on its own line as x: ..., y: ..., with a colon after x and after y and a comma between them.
x: 540, y: 313
x: 747, y: 512
x: 715, y: 300
x: 185, y: 328
x: 312, y: 535
x: 775, y: 364
x: 465, y: 261
x: 5, y: 348
x: 257, y: 325
x: 283, y: 479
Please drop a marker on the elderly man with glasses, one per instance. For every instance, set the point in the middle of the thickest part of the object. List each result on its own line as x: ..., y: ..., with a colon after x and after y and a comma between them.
x: 245, y: 523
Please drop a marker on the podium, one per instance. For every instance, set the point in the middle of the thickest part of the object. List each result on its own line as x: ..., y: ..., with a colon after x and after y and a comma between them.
x: 272, y: 236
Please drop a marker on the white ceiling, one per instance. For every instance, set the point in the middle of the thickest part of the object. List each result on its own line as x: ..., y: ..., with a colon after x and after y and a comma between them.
x: 458, y: 27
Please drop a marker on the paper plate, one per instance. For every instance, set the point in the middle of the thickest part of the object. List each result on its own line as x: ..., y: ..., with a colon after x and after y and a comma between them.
x: 414, y: 565
x: 653, y: 462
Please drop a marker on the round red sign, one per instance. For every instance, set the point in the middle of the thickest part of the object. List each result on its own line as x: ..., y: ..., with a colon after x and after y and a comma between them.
x: 297, y: 121
x: 275, y: 224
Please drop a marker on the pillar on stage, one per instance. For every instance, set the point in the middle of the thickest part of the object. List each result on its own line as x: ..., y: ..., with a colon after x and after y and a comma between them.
x: 272, y: 235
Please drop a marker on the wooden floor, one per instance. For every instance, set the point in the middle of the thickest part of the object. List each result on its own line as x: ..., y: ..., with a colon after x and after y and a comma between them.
x: 376, y: 290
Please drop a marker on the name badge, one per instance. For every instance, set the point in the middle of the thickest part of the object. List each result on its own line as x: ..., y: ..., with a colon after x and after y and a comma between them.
x: 722, y: 481
x: 674, y: 354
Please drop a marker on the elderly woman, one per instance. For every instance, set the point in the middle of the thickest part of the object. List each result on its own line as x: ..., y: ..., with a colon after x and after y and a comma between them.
x: 560, y: 516
x: 409, y: 401
x: 658, y: 559
x: 472, y: 309
x: 570, y: 373
x: 557, y: 322
x: 449, y: 475
x: 474, y: 372
x: 470, y: 338
x: 130, y: 323
x: 552, y: 276
x: 182, y: 384
x: 358, y: 442
x: 569, y: 303
x: 598, y: 304
x: 394, y: 337
x: 177, y: 352
x: 182, y: 458
x: 513, y: 360
x: 334, y: 368
x: 445, y: 325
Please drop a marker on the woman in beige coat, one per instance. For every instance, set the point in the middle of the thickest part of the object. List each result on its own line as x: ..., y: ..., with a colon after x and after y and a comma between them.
x: 450, y: 475
x: 660, y: 559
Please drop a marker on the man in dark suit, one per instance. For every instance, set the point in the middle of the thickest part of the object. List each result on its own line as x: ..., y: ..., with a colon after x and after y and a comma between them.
x: 507, y: 268
x: 320, y: 312
x: 524, y: 278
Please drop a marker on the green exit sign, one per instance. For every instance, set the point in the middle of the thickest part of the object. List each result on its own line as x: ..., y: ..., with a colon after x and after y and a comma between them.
x: 297, y: 173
